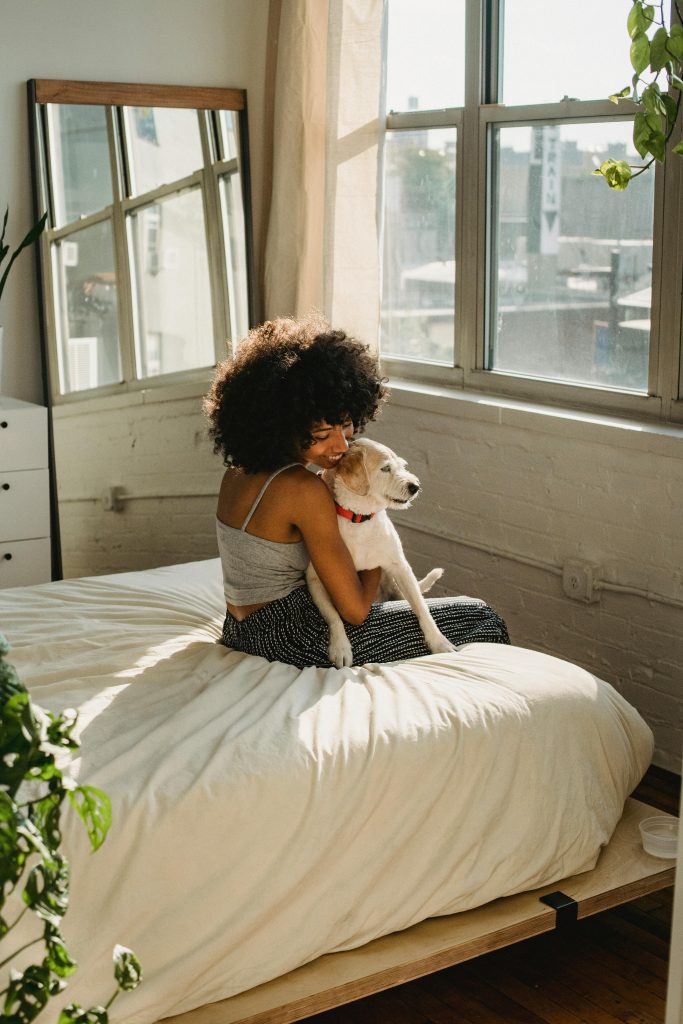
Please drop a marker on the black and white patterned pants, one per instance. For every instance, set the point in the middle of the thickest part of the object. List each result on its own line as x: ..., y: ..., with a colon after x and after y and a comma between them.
x: 292, y: 630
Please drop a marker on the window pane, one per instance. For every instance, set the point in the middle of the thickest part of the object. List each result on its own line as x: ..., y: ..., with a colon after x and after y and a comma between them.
x: 425, y: 54
x: 229, y: 134
x: 87, y: 317
x: 163, y: 146
x: 571, y: 260
x: 235, y: 253
x: 554, y: 50
x: 418, y: 266
x: 171, y: 298
x: 79, y: 158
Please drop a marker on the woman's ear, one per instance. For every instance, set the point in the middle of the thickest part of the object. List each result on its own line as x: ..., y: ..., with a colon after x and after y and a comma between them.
x: 352, y: 472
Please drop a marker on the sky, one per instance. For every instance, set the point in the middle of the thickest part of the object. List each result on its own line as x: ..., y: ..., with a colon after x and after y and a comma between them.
x: 552, y: 50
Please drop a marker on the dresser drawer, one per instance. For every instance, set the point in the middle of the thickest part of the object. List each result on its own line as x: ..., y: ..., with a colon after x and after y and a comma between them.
x: 24, y: 504
x: 23, y: 436
x: 24, y: 562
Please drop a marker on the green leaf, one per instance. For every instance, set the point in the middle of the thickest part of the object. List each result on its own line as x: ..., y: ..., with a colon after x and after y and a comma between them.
x: 652, y: 101
x: 617, y: 173
x: 27, y: 993
x: 676, y: 82
x: 640, y: 53
x: 675, y: 43
x: 622, y: 94
x: 46, y: 815
x: 678, y: 148
x: 127, y: 968
x: 671, y: 108
x: 641, y: 133
x: 639, y: 19
x: 57, y: 955
x: 60, y: 729
x: 658, y: 51
x: 46, y: 891
x: 94, y: 808
x: 75, y: 1014
x: 657, y: 145
x: 28, y: 239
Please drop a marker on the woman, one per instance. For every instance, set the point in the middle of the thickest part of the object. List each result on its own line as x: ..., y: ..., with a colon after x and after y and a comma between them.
x: 292, y: 397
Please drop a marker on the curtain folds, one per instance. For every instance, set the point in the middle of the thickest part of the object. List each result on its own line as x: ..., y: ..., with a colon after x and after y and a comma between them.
x: 322, y: 233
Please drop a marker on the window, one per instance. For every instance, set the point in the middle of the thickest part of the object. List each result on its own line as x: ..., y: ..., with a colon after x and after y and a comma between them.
x: 145, y: 268
x: 507, y: 266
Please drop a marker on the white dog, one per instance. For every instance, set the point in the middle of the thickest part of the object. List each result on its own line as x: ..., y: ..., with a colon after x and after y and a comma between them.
x: 370, y: 479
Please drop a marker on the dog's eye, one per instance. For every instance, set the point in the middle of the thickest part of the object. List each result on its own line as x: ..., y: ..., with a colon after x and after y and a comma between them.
x: 385, y: 469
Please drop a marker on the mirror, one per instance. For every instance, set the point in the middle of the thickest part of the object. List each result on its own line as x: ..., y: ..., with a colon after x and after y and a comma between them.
x: 145, y: 265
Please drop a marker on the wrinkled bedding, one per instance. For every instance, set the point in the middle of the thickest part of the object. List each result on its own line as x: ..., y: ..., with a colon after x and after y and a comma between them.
x: 264, y: 816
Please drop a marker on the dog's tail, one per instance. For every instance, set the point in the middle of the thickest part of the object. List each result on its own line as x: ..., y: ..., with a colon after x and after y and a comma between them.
x: 429, y: 580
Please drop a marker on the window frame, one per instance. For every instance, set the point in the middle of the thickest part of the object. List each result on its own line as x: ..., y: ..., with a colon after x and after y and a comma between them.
x: 474, y: 170
x: 207, y: 103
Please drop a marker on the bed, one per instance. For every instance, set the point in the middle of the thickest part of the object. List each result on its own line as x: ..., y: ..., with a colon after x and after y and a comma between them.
x: 266, y: 817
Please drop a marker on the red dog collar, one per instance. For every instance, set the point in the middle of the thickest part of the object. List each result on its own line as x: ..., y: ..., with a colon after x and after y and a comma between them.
x: 355, y: 517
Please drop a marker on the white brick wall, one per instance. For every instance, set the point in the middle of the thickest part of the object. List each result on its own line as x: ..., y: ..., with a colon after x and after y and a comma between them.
x: 547, y: 487
x: 534, y: 484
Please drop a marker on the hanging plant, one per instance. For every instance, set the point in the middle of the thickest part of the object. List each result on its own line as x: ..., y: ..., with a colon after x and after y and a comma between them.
x: 34, y: 873
x: 657, y: 61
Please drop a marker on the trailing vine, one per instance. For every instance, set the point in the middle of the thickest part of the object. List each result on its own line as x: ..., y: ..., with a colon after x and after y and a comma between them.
x: 34, y: 874
x: 656, y: 87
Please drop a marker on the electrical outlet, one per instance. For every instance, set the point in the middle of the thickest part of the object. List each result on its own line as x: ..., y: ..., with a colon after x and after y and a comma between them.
x: 579, y: 579
x: 112, y: 499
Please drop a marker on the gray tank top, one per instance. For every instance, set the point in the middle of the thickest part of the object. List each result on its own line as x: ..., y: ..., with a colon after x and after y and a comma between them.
x: 256, y: 570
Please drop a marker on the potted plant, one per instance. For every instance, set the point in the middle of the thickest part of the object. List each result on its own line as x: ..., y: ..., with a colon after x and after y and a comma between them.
x: 29, y: 239
x: 34, y: 873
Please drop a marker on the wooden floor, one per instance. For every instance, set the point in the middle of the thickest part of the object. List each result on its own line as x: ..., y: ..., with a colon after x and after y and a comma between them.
x: 607, y: 969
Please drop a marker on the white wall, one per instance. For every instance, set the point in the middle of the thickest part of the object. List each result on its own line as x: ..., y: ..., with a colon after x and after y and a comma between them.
x: 512, y: 492
x: 175, y: 42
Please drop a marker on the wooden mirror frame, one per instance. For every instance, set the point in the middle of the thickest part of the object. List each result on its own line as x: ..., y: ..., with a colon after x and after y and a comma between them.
x: 118, y: 94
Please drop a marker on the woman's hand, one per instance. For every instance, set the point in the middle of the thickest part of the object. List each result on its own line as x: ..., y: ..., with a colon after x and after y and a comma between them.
x: 315, y: 516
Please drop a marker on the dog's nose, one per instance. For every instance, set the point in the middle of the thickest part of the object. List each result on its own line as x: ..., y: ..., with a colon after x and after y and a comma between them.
x: 413, y: 488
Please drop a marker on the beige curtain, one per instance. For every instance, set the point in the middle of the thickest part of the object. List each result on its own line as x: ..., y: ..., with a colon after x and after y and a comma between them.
x: 322, y: 233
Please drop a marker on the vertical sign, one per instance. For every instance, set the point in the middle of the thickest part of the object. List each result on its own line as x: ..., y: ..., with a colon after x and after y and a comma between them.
x: 543, y: 193
x: 550, y: 189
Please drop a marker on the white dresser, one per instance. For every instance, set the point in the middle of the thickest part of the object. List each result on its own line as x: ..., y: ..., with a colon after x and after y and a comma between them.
x: 24, y: 494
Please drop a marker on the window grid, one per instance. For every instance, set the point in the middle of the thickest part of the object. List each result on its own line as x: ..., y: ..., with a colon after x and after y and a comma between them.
x: 474, y: 179
x: 117, y: 214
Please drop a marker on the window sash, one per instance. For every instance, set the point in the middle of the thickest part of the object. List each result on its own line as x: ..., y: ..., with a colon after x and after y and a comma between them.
x: 475, y: 122
x: 206, y: 180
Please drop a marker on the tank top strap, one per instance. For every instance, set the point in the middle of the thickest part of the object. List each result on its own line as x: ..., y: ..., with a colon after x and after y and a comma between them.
x: 263, y: 491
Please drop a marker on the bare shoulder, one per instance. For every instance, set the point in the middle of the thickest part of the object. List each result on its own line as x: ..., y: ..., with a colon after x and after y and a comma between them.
x: 305, y: 492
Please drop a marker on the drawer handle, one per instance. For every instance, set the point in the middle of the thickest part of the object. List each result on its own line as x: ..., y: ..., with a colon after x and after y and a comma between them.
x: 4, y: 424
x: 5, y: 487
x: 7, y: 556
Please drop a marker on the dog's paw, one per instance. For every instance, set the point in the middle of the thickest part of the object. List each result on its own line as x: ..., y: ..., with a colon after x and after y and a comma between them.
x: 440, y: 644
x: 428, y: 581
x: 340, y: 651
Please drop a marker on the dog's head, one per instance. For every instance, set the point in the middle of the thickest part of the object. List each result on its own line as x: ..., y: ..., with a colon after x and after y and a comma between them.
x: 371, y: 477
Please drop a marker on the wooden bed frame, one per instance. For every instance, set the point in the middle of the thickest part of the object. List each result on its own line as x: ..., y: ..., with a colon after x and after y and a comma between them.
x: 624, y: 872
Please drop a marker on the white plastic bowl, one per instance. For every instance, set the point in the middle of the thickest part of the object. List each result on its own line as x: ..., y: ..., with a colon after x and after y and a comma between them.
x: 660, y: 836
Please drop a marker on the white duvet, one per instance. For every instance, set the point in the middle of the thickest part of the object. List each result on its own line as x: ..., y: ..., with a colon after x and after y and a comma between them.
x: 264, y: 816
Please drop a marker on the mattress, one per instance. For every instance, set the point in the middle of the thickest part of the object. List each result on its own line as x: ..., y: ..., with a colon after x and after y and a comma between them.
x: 263, y: 816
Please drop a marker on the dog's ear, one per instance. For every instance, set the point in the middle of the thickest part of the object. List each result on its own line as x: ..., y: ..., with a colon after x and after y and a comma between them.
x: 353, y: 473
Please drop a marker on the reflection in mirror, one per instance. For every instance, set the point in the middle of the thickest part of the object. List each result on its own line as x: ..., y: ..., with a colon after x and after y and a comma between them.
x: 145, y: 274
x: 146, y: 268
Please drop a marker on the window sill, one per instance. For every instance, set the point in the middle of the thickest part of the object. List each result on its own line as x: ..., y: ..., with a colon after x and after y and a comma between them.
x: 177, y: 391
x: 638, y: 435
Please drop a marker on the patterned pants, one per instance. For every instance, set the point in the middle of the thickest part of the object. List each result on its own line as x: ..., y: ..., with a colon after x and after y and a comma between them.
x: 292, y: 630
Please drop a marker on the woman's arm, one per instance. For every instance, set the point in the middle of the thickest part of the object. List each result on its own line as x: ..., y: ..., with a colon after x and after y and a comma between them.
x: 351, y: 592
